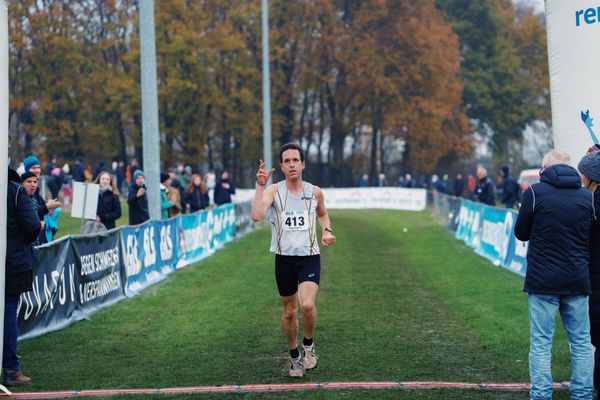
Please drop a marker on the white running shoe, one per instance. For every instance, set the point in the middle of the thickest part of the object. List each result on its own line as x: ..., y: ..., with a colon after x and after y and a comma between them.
x: 296, y: 368
x: 310, y: 357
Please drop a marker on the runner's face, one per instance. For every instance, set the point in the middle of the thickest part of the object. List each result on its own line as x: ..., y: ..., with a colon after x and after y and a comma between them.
x: 30, y: 184
x: 291, y: 166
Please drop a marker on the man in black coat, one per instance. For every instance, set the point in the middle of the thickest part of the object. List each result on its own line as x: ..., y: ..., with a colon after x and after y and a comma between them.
x: 485, y: 191
x: 138, y: 199
x: 510, y: 188
x: 22, y: 228
x: 224, y: 190
x: 555, y: 217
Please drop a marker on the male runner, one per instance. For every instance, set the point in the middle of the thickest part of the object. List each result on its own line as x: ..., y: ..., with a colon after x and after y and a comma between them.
x: 293, y: 206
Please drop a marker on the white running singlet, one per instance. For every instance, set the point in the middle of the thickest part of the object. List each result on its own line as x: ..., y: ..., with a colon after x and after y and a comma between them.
x: 293, y: 218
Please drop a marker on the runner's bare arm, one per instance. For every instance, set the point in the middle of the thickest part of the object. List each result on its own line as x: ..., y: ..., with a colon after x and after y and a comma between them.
x: 263, y: 198
x: 327, y: 238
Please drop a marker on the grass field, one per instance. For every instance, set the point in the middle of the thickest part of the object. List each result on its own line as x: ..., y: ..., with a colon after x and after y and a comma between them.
x: 393, y: 306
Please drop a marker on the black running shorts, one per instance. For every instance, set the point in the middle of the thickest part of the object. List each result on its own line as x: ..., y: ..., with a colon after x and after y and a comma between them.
x: 292, y: 270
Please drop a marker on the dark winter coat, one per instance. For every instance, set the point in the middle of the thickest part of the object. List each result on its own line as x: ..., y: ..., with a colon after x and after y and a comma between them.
x: 510, y: 188
x: 138, y: 206
x: 39, y: 205
x: 22, y: 229
x: 109, y: 209
x: 595, y: 264
x: 485, y: 191
x: 222, y: 195
x: 556, y: 216
x: 196, y: 199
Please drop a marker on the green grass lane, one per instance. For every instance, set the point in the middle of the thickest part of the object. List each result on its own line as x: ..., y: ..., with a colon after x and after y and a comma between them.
x: 393, y: 305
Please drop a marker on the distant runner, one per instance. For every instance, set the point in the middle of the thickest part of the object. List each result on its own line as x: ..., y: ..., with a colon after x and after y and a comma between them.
x: 293, y: 206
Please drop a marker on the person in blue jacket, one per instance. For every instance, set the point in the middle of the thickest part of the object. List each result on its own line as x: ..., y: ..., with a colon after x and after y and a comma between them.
x: 109, y: 206
x: 22, y: 228
x: 555, y: 217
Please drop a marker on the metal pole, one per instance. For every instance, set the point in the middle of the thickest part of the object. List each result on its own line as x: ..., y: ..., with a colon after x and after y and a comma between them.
x: 4, y: 149
x: 150, y: 127
x: 266, y: 76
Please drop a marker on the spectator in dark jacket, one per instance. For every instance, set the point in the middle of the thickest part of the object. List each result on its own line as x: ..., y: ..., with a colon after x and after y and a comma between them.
x: 510, y: 188
x: 555, y: 218
x: 589, y: 167
x: 32, y: 164
x: 196, y: 195
x: 78, y: 172
x: 109, y: 206
x: 485, y: 191
x: 138, y: 199
x: 459, y: 186
x: 224, y: 190
x: 22, y: 228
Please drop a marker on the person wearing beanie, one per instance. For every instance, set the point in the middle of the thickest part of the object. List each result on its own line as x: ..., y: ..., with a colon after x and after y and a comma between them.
x: 589, y: 167
x: 43, y: 207
x: 32, y: 163
x: 165, y: 204
x: 556, y: 218
x: 22, y: 229
x: 510, y: 188
x: 138, y: 199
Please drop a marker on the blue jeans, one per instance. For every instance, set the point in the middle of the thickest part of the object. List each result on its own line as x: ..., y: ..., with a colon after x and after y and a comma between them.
x: 542, y: 316
x: 10, y: 359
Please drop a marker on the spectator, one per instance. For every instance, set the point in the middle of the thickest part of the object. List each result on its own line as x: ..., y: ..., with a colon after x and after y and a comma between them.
x: 165, y: 204
x: 211, y: 182
x: 50, y: 166
x: 32, y: 164
x: 472, y: 183
x: 78, y: 171
x: 555, y: 218
x: 408, y: 181
x: 510, y: 188
x: 109, y: 206
x: 138, y: 199
x: 22, y: 228
x: 589, y: 167
x: 67, y: 187
x: 438, y: 185
x: 187, y: 176
x: 174, y: 196
x: 55, y: 182
x: 381, y: 181
x: 401, y: 181
x: 364, y: 181
x: 485, y: 191
x: 459, y: 186
x: 87, y: 174
x: 196, y: 195
x: 101, y: 168
x: 224, y: 190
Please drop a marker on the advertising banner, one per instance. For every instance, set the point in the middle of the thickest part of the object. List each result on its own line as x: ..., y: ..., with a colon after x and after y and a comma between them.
x: 143, y: 249
x: 453, y: 212
x: 516, y: 257
x: 573, y: 29
x: 243, y: 219
x: 196, y: 245
x: 376, y: 197
x: 496, y: 230
x: 221, y: 225
x: 469, y: 223
x: 53, y: 302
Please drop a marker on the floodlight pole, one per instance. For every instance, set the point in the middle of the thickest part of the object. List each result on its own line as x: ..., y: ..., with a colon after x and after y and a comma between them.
x: 266, y: 76
x: 3, y: 158
x: 150, y: 127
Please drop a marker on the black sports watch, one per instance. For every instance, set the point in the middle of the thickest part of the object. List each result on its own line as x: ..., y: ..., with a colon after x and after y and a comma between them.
x: 328, y: 228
